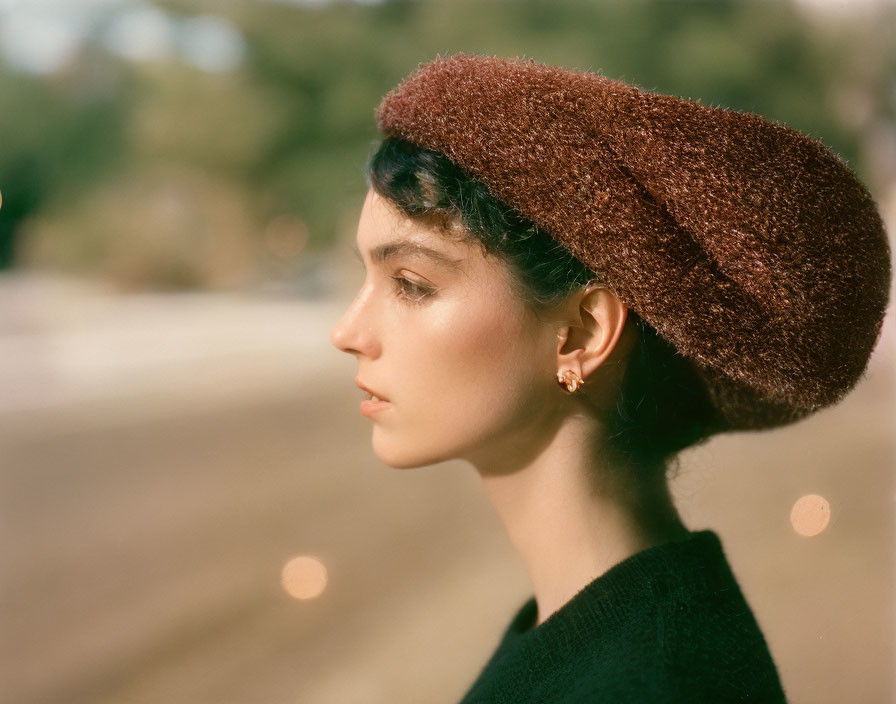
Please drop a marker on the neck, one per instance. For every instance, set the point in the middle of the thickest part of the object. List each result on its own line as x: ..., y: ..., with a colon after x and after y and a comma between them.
x: 571, y: 515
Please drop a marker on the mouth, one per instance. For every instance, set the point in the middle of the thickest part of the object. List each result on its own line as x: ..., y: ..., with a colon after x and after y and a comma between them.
x: 372, y: 405
x: 370, y: 394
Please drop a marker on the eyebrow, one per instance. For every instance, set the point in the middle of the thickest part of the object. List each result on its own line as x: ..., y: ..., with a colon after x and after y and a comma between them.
x: 383, y: 252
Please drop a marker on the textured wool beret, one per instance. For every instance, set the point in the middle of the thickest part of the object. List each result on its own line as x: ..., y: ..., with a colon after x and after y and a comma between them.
x: 750, y: 247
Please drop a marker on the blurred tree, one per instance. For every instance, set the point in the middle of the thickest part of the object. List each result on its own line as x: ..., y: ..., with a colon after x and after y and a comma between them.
x: 58, y: 135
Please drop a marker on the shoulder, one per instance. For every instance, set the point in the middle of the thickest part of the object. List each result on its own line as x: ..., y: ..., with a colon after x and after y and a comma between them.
x: 692, y: 637
x: 667, y: 626
x: 690, y: 666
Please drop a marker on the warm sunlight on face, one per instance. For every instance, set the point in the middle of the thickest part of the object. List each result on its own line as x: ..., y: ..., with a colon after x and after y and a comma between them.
x: 462, y: 368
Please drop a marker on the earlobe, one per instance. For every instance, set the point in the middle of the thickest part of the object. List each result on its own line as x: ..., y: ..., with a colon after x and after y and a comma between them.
x: 570, y: 351
x: 569, y: 380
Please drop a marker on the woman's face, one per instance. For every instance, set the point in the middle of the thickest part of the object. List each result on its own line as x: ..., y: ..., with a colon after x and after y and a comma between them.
x: 465, y: 368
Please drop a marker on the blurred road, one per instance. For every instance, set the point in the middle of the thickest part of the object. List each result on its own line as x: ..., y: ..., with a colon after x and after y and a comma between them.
x: 162, y: 457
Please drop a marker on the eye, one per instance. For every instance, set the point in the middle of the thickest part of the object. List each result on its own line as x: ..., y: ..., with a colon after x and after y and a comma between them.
x: 410, y: 290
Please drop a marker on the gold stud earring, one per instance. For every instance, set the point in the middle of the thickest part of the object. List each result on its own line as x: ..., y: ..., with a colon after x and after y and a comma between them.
x: 569, y: 380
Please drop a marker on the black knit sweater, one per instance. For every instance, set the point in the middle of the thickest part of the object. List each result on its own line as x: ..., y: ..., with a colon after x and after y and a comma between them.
x: 669, y: 624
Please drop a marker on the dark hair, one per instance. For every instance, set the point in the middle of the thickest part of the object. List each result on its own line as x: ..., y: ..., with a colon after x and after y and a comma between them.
x: 662, y: 406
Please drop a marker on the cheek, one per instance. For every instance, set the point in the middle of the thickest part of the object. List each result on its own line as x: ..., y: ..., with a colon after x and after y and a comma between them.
x: 480, y: 368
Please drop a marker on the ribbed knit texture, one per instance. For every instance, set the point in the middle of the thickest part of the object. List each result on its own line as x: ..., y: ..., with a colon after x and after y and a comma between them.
x: 753, y: 249
x: 669, y: 624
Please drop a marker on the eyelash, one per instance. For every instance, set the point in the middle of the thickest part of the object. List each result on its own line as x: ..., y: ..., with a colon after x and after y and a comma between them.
x: 410, y: 291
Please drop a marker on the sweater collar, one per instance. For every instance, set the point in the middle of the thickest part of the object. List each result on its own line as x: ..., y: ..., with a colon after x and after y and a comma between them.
x: 690, y: 563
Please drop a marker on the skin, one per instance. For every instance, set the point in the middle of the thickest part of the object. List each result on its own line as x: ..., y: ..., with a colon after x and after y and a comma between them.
x: 470, y: 372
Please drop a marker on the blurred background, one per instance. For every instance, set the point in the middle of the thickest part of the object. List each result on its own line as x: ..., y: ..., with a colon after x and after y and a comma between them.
x: 190, y: 510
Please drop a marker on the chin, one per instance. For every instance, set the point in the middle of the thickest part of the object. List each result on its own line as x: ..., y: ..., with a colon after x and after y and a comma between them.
x: 404, y: 456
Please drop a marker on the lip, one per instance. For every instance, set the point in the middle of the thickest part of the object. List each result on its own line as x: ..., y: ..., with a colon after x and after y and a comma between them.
x: 369, y: 390
x: 370, y: 408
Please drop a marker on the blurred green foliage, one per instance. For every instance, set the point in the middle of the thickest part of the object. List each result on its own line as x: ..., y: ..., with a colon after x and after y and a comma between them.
x: 57, y: 136
x: 160, y: 174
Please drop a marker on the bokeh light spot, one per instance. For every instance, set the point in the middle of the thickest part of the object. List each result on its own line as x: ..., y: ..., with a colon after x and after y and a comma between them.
x: 286, y: 236
x: 304, y: 577
x: 810, y: 515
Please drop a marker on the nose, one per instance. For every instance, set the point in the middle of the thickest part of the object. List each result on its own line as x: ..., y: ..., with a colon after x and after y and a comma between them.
x: 354, y: 332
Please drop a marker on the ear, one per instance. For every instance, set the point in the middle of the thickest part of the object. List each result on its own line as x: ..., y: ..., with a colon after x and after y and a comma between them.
x: 596, y: 323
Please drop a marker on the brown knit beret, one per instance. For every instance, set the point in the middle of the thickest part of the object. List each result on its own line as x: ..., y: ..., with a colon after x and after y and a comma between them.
x: 751, y: 248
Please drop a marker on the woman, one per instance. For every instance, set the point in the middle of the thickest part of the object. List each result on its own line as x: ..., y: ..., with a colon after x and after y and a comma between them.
x: 569, y: 280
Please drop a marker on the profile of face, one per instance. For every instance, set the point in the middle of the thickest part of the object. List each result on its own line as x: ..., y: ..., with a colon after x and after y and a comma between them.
x: 465, y: 368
